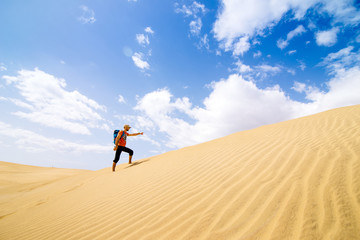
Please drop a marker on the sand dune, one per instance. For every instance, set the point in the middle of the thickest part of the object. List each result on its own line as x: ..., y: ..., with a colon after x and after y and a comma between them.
x: 298, y: 179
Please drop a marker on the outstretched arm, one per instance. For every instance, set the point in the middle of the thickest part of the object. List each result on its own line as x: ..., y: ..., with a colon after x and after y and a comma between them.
x: 135, y: 134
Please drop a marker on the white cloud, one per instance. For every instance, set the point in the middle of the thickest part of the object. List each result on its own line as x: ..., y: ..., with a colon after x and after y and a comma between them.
x: 296, y: 32
x: 343, y: 11
x: 2, y: 67
x: 281, y: 43
x: 194, y: 11
x: 299, y: 87
x: 344, y: 58
x: 237, y: 19
x: 142, y: 39
x: 327, y: 38
x: 88, y: 15
x: 50, y: 104
x: 203, y: 42
x: 183, y: 9
x: 195, y: 26
x: 291, y: 71
x: 257, y: 54
x: 302, y: 65
x: 256, y: 42
x: 236, y: 104
x: 340, y: 55
x: 344, y: 55
x: 198, y: 7
x: 312, y: 93
x: 291, y: 52
x: 269, y: 69
x: 343, y: 90
x: 32, y: 141
x: 242, y: 68
x: 22, y: 104
x: 158, y: 107
x: 263, y: 71
x: 358, y: 38
x: 191, y: 10
x: 149, y: 30
x: 138, y: 57
x: 241, y: 46
x: 259, y: 72
x: 158, y: 103
x: 311, y: 25
x: 121, y: 99
x: 139, y: 62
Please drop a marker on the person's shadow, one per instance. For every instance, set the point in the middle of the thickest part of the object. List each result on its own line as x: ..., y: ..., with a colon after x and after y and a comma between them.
x: 138, y: 162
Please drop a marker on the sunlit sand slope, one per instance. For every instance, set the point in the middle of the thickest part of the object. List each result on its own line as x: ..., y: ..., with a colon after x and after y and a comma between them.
x: 298, y: 179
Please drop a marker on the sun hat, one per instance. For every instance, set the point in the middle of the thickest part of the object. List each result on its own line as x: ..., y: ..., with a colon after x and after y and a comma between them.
x: 127, y: 125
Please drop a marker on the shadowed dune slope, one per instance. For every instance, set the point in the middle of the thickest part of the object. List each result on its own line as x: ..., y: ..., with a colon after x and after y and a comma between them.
x: 298, y: 179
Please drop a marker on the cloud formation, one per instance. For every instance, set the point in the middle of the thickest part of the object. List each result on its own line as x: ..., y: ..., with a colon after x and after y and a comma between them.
x: 47, y: 102
x: 259, y: 72
x: 139, y: 57
x: 237, y: 104
x: 241, y: 46
x: 121, y: 99
x: 88, y: 15
x: 195, y: 12
x: 149, y: 30
x: 343, y: 59
x: 237, y: 19
x: 327, y: 38
x: 2, y: 67
x: 195, y: 26
x: 139, y: 62
x: 34, y: 142
x: 281, y: 43
x: 142, y: 39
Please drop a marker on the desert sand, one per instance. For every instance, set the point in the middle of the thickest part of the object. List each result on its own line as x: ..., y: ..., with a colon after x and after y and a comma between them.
x: 298, y: 179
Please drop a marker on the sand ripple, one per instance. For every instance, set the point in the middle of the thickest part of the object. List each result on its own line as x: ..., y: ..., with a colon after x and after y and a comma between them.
x: 298, y: 179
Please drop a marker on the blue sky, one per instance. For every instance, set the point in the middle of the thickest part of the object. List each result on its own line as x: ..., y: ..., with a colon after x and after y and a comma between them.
x: 183, y: 72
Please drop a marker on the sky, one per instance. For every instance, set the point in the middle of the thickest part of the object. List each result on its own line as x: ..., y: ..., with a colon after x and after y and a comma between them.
x: 183, y: 72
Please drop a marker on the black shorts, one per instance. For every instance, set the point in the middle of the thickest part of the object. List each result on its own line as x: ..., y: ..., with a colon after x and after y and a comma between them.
x: 119, y: 150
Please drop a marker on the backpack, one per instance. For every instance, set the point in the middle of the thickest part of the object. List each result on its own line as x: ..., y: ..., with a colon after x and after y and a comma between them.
x: 116, y: 132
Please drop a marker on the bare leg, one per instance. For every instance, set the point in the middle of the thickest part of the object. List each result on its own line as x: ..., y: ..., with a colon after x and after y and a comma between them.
x: 130, y: 157
x: 113, y: 167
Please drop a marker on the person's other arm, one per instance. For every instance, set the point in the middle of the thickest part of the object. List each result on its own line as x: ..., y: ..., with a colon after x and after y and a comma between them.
x: 117, y: 140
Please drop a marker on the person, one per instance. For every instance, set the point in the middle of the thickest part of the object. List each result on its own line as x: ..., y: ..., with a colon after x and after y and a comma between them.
x: 120, y: 144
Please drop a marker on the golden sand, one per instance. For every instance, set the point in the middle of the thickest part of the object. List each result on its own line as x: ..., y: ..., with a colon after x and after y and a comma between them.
x: 298, y: 179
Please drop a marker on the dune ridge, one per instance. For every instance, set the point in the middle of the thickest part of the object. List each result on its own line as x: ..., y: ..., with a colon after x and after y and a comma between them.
x: 298, y: 179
